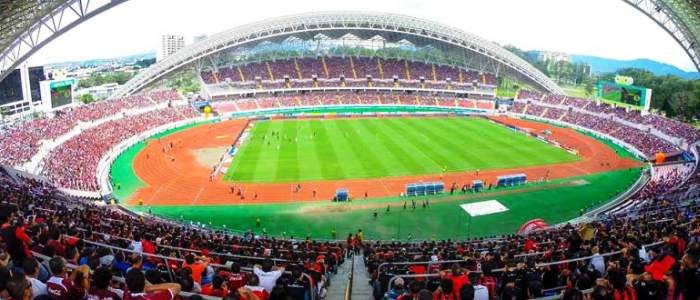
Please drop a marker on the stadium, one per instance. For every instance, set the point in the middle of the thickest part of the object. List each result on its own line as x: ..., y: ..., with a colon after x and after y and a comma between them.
x: 344, y: 148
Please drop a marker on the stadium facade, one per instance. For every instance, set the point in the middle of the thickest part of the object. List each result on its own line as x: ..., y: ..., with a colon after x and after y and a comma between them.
x: 468, y: 50
x: 29, y: 25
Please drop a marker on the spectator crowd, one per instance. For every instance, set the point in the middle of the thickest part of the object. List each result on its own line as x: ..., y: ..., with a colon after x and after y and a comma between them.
x: 347, y: 71
x: 58, y: 247
x: 20, y: 140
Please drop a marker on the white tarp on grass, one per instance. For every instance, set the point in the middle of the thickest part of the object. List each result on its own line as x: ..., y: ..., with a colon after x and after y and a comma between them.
x: 483, y: 208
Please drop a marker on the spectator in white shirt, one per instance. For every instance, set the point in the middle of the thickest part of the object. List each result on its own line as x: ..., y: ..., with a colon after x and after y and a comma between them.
x: 268, y: 274
x: 597, y: 261
x: 31, y: 270
x: 473, y: 292
x: 481, y: 292
x: 136, y: 244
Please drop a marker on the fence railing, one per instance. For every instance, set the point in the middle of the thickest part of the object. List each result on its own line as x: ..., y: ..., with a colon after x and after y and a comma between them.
x: 348, y: 288
x: 166, y: 259
x: 539, y: 265
x: 70, y: 266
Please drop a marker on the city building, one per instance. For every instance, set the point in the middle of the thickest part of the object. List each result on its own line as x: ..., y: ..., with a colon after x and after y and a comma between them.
x: 170, y: 43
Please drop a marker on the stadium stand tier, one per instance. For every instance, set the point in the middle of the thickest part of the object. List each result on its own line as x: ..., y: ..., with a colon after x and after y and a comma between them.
x: 343, y: 72
x: 44, y: 231
x: 645, y: 132
x: 46, y: 228
x: 56, y: 243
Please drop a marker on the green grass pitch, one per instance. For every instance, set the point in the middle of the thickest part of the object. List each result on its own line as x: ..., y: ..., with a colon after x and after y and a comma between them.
x: 440, y: 220
x: 333, y: 149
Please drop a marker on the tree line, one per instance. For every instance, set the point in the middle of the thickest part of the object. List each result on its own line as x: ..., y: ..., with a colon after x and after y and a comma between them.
x: 672, y: 95
x: 97, y: 79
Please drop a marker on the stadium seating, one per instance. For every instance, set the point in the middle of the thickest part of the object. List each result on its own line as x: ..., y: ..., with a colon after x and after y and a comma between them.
x: 354, y: 70
x: 666, y: 125
x: 73, y: 164
x: 607, y: 119
x: 348, y: 99
x: 660, y: 224
x: 107, y: 237
x: 660, y: 220
x: 21, y: 140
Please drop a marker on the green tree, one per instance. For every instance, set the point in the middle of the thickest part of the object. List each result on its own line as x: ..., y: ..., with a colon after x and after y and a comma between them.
x: 86, y: 98
x: 589, y: 87
x: 97, y: 79
x: 3, y: 113
x: 145, y: 63
x: 684, y: 104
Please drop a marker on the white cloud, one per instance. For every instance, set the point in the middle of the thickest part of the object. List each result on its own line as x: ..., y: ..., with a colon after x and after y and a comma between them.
x: 596, y: 27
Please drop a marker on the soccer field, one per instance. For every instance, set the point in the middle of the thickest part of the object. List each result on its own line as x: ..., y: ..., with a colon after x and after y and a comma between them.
x: 443, y: 219
x: 332, y: 149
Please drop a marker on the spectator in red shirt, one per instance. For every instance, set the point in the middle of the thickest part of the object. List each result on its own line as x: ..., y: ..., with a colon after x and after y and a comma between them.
x: 16, y: 239
x: 217, y: 288
x: 254, y: 286
x: 62, y: 286
x: 445, y: 291
x: 56, y: 241
x: 198, y: 264
x: 101, y: 279
x: 236, y: 279
x: 457, y: 275
x: 137, y: 290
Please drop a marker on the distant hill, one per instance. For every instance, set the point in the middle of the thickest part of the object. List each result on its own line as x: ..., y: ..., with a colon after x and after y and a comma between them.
x: 607, y: 65
x: 105, y: 61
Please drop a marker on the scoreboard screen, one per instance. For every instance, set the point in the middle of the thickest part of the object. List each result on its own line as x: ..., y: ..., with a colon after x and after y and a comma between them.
x: 11, y: 88
x: 61, y: 96
x: 61, y: 92
x: 632, y: 95
x: 36, y: 75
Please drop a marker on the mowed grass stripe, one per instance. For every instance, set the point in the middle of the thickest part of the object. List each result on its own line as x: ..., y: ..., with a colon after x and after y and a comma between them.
x: 491, y: 141
x: 391, y: 144
x: 335, y: 149
x: 518, y: 149
x: 326, y: 153
x: 449, y: 143
x: 245, y: 162
x: 287, y: 157
x: 422, y: 155
x: 474, y: 154
x: 266, y: 167
x: 370, y: 162
x: 429, y: 150
x: 391, y: 161
x: 451, y: 156
x: 340, y: 141
x: 310, y: 165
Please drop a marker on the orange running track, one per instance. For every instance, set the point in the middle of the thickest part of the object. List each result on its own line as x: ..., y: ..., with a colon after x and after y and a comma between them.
x: 175, y: 177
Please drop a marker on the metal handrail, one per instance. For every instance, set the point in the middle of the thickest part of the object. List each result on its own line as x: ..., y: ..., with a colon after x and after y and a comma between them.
x: 536, y: 265
x: 351, y: 276
x: 121, y: 279
x: 195, y: 250
x: 199, y: 251
x: 166, y: 258
x: 430, y: 263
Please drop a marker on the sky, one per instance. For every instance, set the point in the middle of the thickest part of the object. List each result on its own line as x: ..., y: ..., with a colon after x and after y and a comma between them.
x: 607, y: 28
